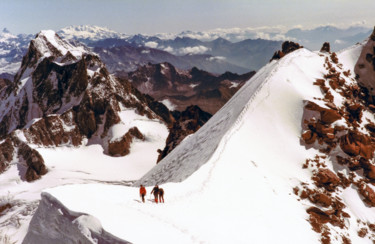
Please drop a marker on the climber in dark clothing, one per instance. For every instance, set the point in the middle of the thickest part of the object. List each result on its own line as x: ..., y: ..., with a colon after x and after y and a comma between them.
x: 161, y: 195
x: 155, y: 191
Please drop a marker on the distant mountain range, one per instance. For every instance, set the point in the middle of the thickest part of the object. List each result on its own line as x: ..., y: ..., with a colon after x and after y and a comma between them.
x: 12, y: 49
x: 178, y: 89
x: 238, y: 50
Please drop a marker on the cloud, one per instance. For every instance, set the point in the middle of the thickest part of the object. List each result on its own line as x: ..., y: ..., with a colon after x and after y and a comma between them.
x: 216, y: 59
x: 169, y: 49
x: 171, y: 106
x: 339, y: 42
x: 359, y: 23
x: 193, y: 50
x: 151, y: 44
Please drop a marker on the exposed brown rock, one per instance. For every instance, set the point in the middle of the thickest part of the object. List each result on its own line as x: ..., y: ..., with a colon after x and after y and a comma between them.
x: 327, y: 179
x: 355, y: 112
x: 309, y: 137
x: 327, y: 116
x: 122, y: 147
x: 368, y: 194
x: 355, y: 143
x: 321, y: 198
x: 317, y: 218
x: 362, y: 232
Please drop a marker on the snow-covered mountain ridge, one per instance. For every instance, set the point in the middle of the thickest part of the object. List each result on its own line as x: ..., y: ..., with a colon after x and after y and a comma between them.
x: 290, y: 154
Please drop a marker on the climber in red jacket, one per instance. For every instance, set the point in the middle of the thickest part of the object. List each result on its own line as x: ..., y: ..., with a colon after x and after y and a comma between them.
x: 142, y: 192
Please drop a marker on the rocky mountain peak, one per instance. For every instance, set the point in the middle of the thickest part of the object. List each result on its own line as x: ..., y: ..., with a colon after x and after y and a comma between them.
x: 64, y: 95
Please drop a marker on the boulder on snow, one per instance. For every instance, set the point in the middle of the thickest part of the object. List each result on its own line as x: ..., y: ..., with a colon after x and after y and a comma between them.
x: 327, y: 116
x: 122, y: 147
x: 321, y: 198
x: 368, y: 193
x: 326, y: 47
x: 327, y: 179
x: 357, y: 144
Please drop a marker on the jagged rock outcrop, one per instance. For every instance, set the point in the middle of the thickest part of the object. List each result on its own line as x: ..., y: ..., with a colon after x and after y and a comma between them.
x: 287, y: 47
x: 183, y: 88
x: 343, y: 131
x: 187, y: 122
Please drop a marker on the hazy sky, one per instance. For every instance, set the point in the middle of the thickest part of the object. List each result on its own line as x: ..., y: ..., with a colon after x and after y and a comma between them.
x: 156, y: 16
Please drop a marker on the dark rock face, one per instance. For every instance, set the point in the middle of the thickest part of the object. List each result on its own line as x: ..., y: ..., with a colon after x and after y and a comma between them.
x: 33, y: 160
x: 287, y: 47
x: 183, y: 88
x: 326, y: 47
x: 6, y: 154
x: 4, y: 83
x: 187, y: 122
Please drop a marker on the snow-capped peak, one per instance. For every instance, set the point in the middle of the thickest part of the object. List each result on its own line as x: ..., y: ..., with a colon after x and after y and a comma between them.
x: 5, y: 35
x: 48, y: 43
x: 89, y: 32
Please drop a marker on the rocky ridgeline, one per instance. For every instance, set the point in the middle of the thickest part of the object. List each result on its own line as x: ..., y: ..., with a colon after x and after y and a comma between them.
x: 63, y: 95
x: 186, y: 87
x: 341, y: 125
x: 286, y: 47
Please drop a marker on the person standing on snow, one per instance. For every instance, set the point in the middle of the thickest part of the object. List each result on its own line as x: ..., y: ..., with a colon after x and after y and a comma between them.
x: 161, y: 195
x: 155, y: 191
x: 142, y: 192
